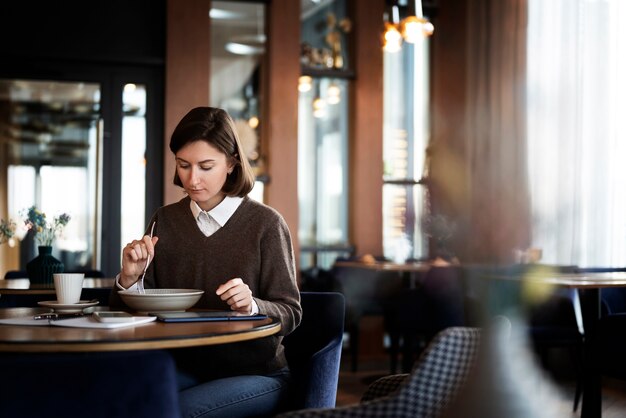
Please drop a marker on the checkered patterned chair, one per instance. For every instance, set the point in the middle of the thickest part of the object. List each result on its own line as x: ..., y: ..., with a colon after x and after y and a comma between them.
x: 432, y: 385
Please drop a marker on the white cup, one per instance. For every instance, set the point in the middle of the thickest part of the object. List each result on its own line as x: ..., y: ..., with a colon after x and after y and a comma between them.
x: 68, y: 287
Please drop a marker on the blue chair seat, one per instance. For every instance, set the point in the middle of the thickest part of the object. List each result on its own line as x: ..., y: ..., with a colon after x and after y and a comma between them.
x: 313, y: 350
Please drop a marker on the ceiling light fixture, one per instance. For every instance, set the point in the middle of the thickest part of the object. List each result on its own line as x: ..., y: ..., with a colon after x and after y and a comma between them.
x: 410, y: 29
x: 246, y: 45
x: 252, y: 44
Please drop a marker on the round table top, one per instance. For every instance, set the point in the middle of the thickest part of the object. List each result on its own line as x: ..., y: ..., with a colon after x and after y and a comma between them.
x: 572, y: 280
x: 150, y: 336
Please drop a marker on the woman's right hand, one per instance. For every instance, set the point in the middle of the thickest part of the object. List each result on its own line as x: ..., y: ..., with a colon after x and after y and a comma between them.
x: 134, y: 259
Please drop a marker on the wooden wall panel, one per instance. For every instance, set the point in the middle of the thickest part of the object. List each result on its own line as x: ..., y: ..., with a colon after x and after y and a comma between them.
x: 187, y: 74
x: 280, y: 119
x: 366, y: 159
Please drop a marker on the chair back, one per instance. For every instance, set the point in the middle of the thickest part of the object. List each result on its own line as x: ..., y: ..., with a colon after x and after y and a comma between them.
x: 432, y: 387
x: 313, y: 350
x: 440, y: 372
x: 437, y: 303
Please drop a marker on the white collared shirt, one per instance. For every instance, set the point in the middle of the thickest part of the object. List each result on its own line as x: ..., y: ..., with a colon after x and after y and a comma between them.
x: 209, y: 222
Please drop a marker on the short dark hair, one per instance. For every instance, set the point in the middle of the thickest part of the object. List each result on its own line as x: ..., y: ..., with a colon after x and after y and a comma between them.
x: 217, y: 128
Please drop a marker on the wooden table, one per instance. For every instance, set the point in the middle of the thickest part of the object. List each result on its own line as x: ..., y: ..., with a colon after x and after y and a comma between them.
x: 151, y: 336
x: 588, y: 286
x: 418, y: 267
x: 20, y: 292
x: 410, y: 270
x: 24, y: 286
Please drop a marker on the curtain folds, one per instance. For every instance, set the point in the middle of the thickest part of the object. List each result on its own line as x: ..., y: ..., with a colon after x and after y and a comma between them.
x: 576, y: 144
x: 498, y: 199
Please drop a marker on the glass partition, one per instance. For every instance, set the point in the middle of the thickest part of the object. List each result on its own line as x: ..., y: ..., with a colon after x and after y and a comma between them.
x: 237, y: 54
x: 49, y: 140
x: 405, y: 139
x: 322, y: 169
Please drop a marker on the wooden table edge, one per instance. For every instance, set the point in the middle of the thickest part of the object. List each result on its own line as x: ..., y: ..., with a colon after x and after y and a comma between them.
x: 70, y: 347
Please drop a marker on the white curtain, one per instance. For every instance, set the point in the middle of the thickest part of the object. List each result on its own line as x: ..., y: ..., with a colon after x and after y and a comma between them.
x: 577, y: 130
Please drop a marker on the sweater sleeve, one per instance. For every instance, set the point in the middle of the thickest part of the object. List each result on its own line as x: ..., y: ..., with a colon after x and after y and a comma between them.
x: 279, y: 295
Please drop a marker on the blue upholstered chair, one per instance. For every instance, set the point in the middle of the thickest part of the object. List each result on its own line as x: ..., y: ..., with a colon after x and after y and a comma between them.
x: 313, y: 350
x: 432, y: 386
x: 134, y: 384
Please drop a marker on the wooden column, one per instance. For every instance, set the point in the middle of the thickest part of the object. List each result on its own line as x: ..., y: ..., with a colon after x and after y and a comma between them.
x: 366, y: 142
x: 280, y: 118
x: 187, y: 74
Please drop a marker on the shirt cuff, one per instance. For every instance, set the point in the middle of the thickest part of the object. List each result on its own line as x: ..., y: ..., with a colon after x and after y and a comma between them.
x: 120, y: 287
x: 255, y: 307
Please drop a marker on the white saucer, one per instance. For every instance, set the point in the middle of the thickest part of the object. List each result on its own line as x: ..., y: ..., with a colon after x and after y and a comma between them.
x: 68, y: 307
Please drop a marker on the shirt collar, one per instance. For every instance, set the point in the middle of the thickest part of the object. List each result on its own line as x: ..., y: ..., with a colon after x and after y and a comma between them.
x: 220, y: 213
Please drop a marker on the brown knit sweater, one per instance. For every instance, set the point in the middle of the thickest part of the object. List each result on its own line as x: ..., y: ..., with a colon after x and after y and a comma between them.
x: 254, y: 245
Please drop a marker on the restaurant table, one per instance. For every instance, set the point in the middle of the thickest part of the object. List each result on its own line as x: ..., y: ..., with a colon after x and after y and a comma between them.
x: 151, y: 336
x: 588, y: 286
x: 410, y: 270
x: 21, y: 292
x: 25, y: 287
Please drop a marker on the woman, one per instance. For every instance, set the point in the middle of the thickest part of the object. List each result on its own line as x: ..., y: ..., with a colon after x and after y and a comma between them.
x: 238, y: 251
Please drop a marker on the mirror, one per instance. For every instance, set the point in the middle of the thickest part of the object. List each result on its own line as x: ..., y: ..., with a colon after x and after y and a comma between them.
x: 237, y: 55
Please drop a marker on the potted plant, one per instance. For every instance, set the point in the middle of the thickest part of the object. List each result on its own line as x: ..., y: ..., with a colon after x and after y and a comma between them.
x: 41, y: 268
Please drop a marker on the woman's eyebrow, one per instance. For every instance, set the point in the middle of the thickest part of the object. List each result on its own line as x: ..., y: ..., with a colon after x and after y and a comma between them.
x: 210, y: 160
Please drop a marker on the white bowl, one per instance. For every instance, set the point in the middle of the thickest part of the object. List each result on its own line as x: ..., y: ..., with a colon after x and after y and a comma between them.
x: 158, y: 300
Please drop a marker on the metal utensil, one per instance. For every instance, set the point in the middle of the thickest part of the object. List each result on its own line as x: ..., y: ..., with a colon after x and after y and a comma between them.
x: 140, y: 287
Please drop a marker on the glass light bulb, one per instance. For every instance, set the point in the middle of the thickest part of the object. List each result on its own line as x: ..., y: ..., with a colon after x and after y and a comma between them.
x: 305, y: 83
x: 253, y: 122
x: 319, y: 108
x: 412, y: 29
x: 333, y: 94
x: 428, y: 28
x: 393, y: 38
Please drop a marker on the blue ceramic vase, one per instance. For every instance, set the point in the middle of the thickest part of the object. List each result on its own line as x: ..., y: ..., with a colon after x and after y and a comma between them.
x: 41, y: 268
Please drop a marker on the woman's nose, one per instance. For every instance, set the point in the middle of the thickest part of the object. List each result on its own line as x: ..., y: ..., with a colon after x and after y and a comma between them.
x: 193, y: 176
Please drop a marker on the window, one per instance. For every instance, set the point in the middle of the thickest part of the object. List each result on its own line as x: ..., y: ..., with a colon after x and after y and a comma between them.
x: 50, y: 149
x: 323, y: 118
x: 133, y: 222
x: 405, y: 138
x: 62, y: 151
x: 576, y: 148
x: 323, y: 170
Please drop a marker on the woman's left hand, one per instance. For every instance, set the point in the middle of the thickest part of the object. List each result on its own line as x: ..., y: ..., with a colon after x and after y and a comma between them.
x: 237, y: 294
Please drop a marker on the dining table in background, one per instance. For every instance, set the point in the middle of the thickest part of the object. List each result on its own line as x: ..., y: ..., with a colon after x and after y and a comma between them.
x: 23, y: 293
x: 411, y: 271
x: 588, y: 286
x: 25, y: 287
